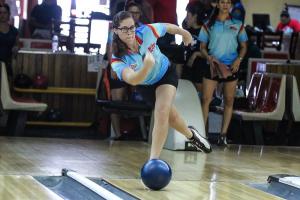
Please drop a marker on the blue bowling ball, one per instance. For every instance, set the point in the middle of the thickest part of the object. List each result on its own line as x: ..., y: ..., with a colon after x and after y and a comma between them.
x: 156, y: 174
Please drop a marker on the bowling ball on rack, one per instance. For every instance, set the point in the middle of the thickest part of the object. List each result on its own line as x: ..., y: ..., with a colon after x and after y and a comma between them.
x: 22, y: 81
x: 40, y: 81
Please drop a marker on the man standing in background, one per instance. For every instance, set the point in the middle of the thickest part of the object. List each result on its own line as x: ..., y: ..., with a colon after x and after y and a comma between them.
x: 286, y: 24
x: 45, y: 18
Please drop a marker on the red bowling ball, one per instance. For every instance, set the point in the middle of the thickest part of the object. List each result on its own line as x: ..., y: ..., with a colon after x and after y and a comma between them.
x: 40, y: 82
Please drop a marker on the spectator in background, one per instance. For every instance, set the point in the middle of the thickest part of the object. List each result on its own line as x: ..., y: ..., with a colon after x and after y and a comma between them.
x: 164, y: 12
x: 8, y: 39
x: 116, y: 6
x: 145, y: 8
x: 286, y: 24
x: 13, y: 8
x: 136, y: 12
x: 208, y: 7
x: 45, y: 19
x: 193, y: 69
x: 220, y: 38
x: 238, y: 11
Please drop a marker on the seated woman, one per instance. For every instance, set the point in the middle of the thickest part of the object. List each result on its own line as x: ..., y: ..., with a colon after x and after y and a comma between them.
x: 8, y: 39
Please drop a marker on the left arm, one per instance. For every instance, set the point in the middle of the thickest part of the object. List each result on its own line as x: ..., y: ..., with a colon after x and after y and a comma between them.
x: 238, y: 60
x: 186, y: 36
x: 16, y: 46
x: 193, y: 57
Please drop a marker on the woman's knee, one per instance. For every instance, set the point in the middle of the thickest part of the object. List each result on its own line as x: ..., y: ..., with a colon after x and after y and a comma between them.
x: 162, y: 113
x: 206, y: 100
x: 228, y: 101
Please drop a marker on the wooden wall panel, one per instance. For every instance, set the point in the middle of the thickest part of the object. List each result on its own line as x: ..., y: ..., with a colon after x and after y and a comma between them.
x: 63, y: 70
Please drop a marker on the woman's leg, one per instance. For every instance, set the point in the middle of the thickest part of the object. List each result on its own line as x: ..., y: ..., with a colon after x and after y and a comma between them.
x: 117, y: 94
x: 176, y: 122
x: 228, y: 95
x: 209, y: 87
x: 163, y: 102
x: 199, y: 87
x: 196, y: 139
x: 179, y: 70
x: 165, y: 113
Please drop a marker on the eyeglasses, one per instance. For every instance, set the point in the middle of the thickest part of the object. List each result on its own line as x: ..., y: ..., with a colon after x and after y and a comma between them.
x: 126, y: 29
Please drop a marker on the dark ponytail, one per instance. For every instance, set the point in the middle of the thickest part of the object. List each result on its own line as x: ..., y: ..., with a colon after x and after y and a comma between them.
x: 213, y: 17
x: 119, y: 48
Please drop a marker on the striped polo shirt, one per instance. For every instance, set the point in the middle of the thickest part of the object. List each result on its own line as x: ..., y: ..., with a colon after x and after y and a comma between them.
x: 223, y: 38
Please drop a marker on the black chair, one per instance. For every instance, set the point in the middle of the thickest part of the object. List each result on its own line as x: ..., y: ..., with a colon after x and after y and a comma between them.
x: 272, y: 40
x: 129, y: 109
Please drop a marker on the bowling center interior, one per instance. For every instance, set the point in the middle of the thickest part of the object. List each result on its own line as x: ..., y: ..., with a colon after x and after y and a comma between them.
x: 73, y: 126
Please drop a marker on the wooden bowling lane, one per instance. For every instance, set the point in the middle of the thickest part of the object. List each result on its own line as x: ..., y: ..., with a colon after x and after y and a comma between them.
x: 223, y: 173
x: 178, y: 190
x: 24, y: 188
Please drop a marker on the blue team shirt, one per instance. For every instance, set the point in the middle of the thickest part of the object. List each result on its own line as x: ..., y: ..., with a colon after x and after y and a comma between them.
x: 223, y: 39
x: 146, y: 36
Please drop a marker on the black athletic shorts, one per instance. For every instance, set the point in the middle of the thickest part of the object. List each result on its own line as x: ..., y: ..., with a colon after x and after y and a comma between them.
x: 196, y: 72
x: 116, y: 83
x: 148, y: 91
x: 207, y: 75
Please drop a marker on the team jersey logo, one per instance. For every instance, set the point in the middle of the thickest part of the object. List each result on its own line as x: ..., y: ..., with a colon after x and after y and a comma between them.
x: 151, y: 47
x: 133, y: 66
x: 233, y: 28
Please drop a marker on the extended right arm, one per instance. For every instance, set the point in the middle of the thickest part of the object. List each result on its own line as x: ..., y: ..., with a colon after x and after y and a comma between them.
x: 136, y: 77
